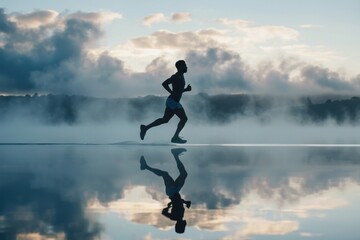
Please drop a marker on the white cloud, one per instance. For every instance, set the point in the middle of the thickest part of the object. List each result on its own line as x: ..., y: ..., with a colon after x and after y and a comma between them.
x: 35, y: 19
x: 38, y: 236
x: 260, y: 33
x: 318, y: 53
x: 164, y: 39
x: 268, y: 227
x: 154, y: 18
x: 96, y: 17
x: 181, y: 17
x: 309, y: 26
x: 307, y: 234
x: 219, y: 57
x: 265, y: 33
x: 237, y: 23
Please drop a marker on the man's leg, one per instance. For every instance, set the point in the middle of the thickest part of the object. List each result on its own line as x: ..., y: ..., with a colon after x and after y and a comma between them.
x: 183, y: 119
x: 165, y: 175
x: 168, y: 114
x: 180, y: 180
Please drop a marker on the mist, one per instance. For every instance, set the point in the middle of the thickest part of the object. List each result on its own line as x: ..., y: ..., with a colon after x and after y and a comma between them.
x: 216, y: 119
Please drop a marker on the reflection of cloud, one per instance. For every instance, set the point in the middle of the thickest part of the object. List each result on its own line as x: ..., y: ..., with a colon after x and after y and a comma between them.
x: 137, y: 206
x: 37, y: 236
x: 253, y: 215
x: 317, y: 204
x: 209, y: 219
x: 270, y: 188
x: 302, y: 204
x: 265, y: 227
x: 28, y: 209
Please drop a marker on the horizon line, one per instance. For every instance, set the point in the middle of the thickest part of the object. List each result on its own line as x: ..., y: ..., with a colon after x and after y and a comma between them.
x: 178, y: 145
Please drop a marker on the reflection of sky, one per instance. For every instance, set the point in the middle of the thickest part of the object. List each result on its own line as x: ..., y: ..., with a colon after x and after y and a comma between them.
x: 92, y: 191
x: 254, y: 216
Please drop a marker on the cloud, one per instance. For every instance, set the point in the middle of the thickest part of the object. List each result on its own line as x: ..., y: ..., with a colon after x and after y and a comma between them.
x: 6, y: 26
x: 43, y: 54
x: 215, y: 68
x: 164, y: 39
x: 181, y: 17
x: 58, y: 53
x: 55, y: 57
x: 35, y: 19
x: 40, y: 18
x: 238, y: 23
x: 154, y: 18
x: 95, y: 17
x: 266, y: 227
x: 240, y: 190
x: 309, y: 26
x: 265, y: 33
x: 260, y: 33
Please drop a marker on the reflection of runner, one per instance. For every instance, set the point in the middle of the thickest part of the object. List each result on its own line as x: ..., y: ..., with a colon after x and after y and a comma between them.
x: 173, y: 106
x: 172, y: 189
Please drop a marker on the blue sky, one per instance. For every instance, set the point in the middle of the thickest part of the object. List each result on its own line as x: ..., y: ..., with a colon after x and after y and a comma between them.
x: 322, y: 34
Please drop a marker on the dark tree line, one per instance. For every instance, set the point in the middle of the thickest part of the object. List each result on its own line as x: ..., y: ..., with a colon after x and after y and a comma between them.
x: 219, y: 109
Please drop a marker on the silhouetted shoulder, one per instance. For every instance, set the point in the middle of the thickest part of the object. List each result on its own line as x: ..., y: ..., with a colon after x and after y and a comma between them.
x: 174, y: 77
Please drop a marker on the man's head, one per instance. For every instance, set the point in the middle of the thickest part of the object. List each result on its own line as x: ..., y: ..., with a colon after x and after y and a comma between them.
x: 181, y: 66
x: 180, y: 226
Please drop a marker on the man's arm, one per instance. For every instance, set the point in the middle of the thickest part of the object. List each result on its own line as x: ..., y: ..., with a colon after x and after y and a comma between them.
x: 187, y: 89
x: 188, y: 203
x: 166, y: 213
x: 166, y: 84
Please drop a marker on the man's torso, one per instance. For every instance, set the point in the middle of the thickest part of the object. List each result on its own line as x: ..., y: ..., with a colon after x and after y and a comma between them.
x: 178, y: 85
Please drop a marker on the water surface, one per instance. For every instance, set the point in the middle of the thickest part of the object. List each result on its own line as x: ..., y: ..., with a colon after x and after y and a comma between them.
x: 236, y: 192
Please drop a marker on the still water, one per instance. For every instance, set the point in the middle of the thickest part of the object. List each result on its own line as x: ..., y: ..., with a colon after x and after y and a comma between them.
x: 152, y: 192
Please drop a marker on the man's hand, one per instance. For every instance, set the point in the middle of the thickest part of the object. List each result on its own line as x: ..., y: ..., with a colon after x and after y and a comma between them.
x: 165, y: 210
x: 188, y: 88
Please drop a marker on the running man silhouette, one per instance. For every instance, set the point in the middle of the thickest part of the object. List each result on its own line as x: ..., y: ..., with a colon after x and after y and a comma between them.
x: 173, y: 106
x: 172, y: 189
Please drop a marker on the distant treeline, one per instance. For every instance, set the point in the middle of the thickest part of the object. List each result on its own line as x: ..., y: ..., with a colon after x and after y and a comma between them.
x: 219, y: 109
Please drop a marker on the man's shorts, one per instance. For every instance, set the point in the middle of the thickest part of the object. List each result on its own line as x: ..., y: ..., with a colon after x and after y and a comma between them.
x: 172, y: 104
